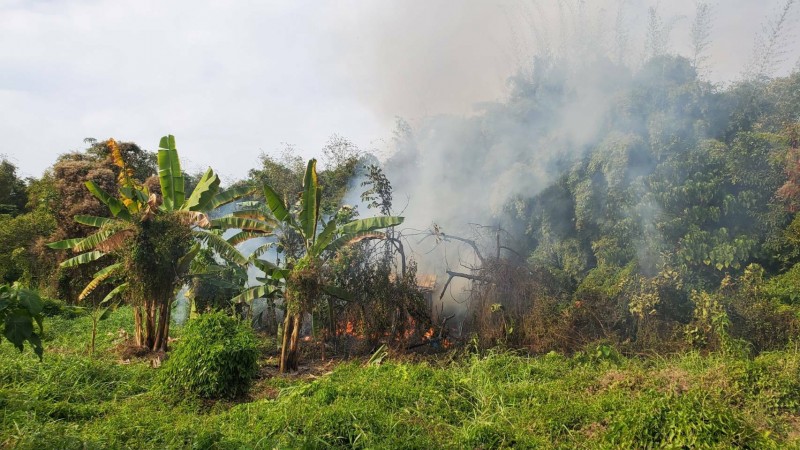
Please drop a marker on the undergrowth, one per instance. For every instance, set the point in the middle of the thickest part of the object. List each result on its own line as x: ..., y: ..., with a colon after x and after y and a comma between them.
x: 499, y: 399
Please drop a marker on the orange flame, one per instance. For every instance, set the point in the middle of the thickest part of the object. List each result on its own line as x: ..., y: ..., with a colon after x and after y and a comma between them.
x: 428, y: 334
x: 349, y: 329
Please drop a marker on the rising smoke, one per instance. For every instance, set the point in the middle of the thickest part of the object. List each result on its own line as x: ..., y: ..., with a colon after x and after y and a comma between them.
x: 573, y: 63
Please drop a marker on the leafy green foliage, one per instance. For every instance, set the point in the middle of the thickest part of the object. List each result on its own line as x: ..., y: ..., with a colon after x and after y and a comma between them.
x: 216, y: 357
x: 213, y: 285
x: 13, y: 192
x: 20, y: 308
x: 18, y: 241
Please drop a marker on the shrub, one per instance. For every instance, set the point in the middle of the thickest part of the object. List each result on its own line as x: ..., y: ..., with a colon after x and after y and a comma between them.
x: 20, y: 308
x: 53, y: 307
x: 691, y: 420
x: 216, y: 357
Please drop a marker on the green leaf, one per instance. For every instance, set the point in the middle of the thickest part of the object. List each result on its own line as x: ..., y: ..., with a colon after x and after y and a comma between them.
x: 65, y: 244
x: 94, y: 240
x: 93, y: 221
x: 30, y: 300
x: 116, y: 207
x: 276, y: 205
x: 108, y: 269
x: 83, y: 258
x: 169, y: 174
x: 272, y: 271
x: 221, y: 246
x: 229, y: 195
x: 203, y: 193
x: 38, y: 319
x: 214, y: 280
x: 337, y: 292
x: 243, y: 236
x: 324, y: 238
x: 253, y: 293
x: 262, y: 249
x: 370, y: 224
x: 132, y: 198
x: 185, y: 261
x: 309, y: 214
x: 114, y: 292
x: 107, y: 312
x: 36, y: 343
x: 241, y: 223
x: 264, y: 265
x: 18, y: 327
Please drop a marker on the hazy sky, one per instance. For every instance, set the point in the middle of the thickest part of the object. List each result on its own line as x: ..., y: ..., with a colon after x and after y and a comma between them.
x: 232, y: 79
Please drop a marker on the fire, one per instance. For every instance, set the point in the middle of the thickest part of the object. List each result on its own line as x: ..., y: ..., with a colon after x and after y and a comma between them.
x: 349, y: 329
x: 428, y: 334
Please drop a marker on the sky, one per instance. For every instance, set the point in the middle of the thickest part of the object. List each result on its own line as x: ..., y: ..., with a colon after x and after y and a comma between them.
x: 234, y: 79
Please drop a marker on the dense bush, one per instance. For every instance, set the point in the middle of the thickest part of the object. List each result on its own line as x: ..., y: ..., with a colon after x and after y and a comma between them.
x: 216, y: 357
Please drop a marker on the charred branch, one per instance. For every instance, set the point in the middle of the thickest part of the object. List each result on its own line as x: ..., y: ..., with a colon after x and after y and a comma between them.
x: 468, y: 276
x: 470, y: 242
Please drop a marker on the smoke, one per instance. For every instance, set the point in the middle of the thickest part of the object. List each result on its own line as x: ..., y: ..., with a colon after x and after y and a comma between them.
x: 421, y: 58
x: 503, y: 97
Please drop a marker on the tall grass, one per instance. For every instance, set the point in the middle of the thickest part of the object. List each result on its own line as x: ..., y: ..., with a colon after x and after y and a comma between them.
x: 495, y: 400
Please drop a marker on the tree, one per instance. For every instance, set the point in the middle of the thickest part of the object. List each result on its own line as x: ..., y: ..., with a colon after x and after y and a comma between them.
x: 153, y: 240
x: 303, y: 280
x: 13, y: 196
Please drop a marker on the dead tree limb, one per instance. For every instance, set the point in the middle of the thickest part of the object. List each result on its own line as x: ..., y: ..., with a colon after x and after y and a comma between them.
x: 452, y: 275
x: 470, y: 242
x: 398, y: 244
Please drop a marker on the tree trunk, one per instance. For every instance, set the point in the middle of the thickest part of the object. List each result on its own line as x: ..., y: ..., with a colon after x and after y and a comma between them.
x: 291, y: 341
x: 160, y: 341
x: 287, y: 332
x: 294, y: 345
x: 138, y: 329
x: 332, y: 323
x: 150, y: 324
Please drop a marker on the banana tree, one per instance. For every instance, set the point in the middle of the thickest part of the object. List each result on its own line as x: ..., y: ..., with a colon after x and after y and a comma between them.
x: 150, y: 242
x: 301, y: 280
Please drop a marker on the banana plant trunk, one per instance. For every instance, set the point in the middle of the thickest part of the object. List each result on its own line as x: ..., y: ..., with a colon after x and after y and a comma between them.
x: 138, y: 331
x: 162, y: 329
x: 151, y: 325
x: 290, y: 347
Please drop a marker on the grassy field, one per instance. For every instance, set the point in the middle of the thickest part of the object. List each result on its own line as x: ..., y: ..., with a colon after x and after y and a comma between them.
x: 494, y: 400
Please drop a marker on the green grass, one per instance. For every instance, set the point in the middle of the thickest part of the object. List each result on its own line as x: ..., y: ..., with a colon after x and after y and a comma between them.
x: 495, y: 400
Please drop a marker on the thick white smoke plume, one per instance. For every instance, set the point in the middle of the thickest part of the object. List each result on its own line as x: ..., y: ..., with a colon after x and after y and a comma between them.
x: 551, y: 70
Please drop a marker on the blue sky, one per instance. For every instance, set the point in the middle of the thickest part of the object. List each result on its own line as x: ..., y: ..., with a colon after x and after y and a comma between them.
x: 234, y: 79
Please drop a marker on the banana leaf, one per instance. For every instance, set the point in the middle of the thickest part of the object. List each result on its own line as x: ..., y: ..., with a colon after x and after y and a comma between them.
x: 93, y: 221
x: 170, y: 175
x: 83, y: 258
x: 114, y: 205
x: 204, y: 193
